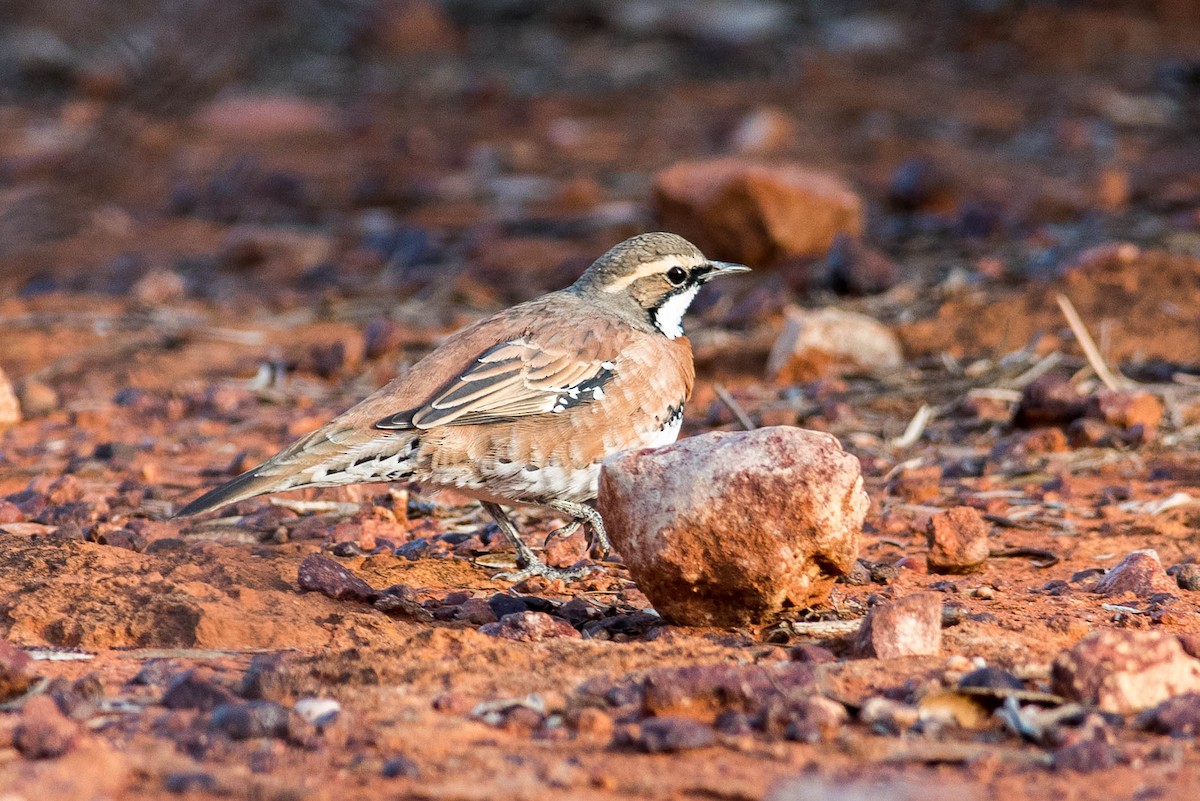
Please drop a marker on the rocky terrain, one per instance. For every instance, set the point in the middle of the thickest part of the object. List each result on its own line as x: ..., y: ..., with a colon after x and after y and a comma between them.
x: 975, y: 234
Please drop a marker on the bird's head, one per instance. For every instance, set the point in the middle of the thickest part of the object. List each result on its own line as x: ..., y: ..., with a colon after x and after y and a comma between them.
x: 653, y: 275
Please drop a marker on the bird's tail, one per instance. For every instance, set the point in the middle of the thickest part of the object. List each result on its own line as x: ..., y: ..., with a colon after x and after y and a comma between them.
x: 247, y: 485
x: 331, y: 456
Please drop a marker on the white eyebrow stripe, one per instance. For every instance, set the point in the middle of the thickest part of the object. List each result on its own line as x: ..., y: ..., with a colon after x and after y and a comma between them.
x: 655, y: 267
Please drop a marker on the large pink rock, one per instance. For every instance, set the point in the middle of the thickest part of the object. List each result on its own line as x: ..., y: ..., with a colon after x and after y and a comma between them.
x: 908, y: 626
x: 753, y: 213
x: 729, y: 529
x: 1125, y: 671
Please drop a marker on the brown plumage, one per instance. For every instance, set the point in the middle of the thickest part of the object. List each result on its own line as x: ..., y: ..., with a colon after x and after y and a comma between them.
x: 523, y: 406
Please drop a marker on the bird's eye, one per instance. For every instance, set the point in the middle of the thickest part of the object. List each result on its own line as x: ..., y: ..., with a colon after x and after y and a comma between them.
x: 676, y: 275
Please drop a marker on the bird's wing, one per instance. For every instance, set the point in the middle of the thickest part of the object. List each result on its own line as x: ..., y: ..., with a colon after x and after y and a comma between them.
x: 514, y: 379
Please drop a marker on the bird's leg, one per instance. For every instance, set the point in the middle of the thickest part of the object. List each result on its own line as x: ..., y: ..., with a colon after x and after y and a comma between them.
x: 586, y: 514
x: 527, y: 562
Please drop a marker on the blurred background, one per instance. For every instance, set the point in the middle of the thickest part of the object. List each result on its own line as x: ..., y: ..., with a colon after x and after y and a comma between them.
x: 395, y: 165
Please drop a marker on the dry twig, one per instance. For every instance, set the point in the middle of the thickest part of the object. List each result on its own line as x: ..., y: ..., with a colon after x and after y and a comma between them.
x: 1095, y: 359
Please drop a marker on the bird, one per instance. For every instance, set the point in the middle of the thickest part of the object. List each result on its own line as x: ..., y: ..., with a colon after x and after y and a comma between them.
x: 521, y: 408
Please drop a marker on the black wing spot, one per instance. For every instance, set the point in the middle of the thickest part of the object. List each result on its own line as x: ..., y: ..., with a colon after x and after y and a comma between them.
x: 585, y: 391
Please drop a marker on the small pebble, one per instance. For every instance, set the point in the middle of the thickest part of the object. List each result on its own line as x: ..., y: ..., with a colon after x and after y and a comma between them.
x: 399, y: 766
x: 318, y: 711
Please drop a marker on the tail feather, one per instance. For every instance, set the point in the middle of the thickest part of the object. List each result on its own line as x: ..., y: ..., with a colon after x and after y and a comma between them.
x: 247, y: 485
x: 325, y: 458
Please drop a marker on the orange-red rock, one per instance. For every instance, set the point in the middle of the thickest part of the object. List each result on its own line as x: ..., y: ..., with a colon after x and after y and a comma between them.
x: 958, y: 541
x: 740, y: 210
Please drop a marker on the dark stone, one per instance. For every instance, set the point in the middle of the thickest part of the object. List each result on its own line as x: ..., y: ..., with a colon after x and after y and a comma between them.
x: 1086, y: 757
x: 195, y: 690
x: 267, y: 678
x: 671, y: 734
x: 345, y: 549
x: 853, y: 268
x: 991, y: 678
x: 153, y: 673
x: 1187, y: 577
x: 502, y: 604
x: 1049, y: 401
x: 400, y: 600
x: 245, y: 720
x: 1178, y: 716
x: 399, y: 766
x: 321, y: 574
x: 811, y: 654
x: 186, y: 782
x: 414, y: 550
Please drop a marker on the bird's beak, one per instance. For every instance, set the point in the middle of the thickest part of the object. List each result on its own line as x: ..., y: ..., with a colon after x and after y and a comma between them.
x: 719, y: 268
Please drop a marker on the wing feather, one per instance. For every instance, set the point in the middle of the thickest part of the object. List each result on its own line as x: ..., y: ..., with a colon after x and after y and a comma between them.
x: 514, y: 379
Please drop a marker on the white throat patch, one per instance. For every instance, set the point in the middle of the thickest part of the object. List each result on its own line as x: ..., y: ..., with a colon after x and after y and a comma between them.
x: 668, y: 317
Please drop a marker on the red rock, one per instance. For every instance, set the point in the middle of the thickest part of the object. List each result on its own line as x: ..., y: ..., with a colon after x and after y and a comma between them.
x: 44, y: 732
x: 705, y: 691
x: 10, y: 513
x: 529, y: 627
x: 1023, y: 444
x: 1140, y: 573
x: 739, y: 210
x: 15, y: 676
x: 958, y: 541
x: 1090, y: 433
x: 909, y: 626
x: 322, y: 574
x: 831, y: 342
x: 1049, y: 401
x: 593, y: 722
x: 1125, y: 671
x: 10, y: 409
x: 37, y: 399
x: 1128, y: 410
x: 917, y: 484
x: 727, y: 529
x: 811, y: 654
x: 668, y: 735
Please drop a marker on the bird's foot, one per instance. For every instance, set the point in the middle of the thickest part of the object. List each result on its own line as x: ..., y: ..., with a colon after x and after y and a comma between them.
x: 586, y: 514
x: 540, y: 568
